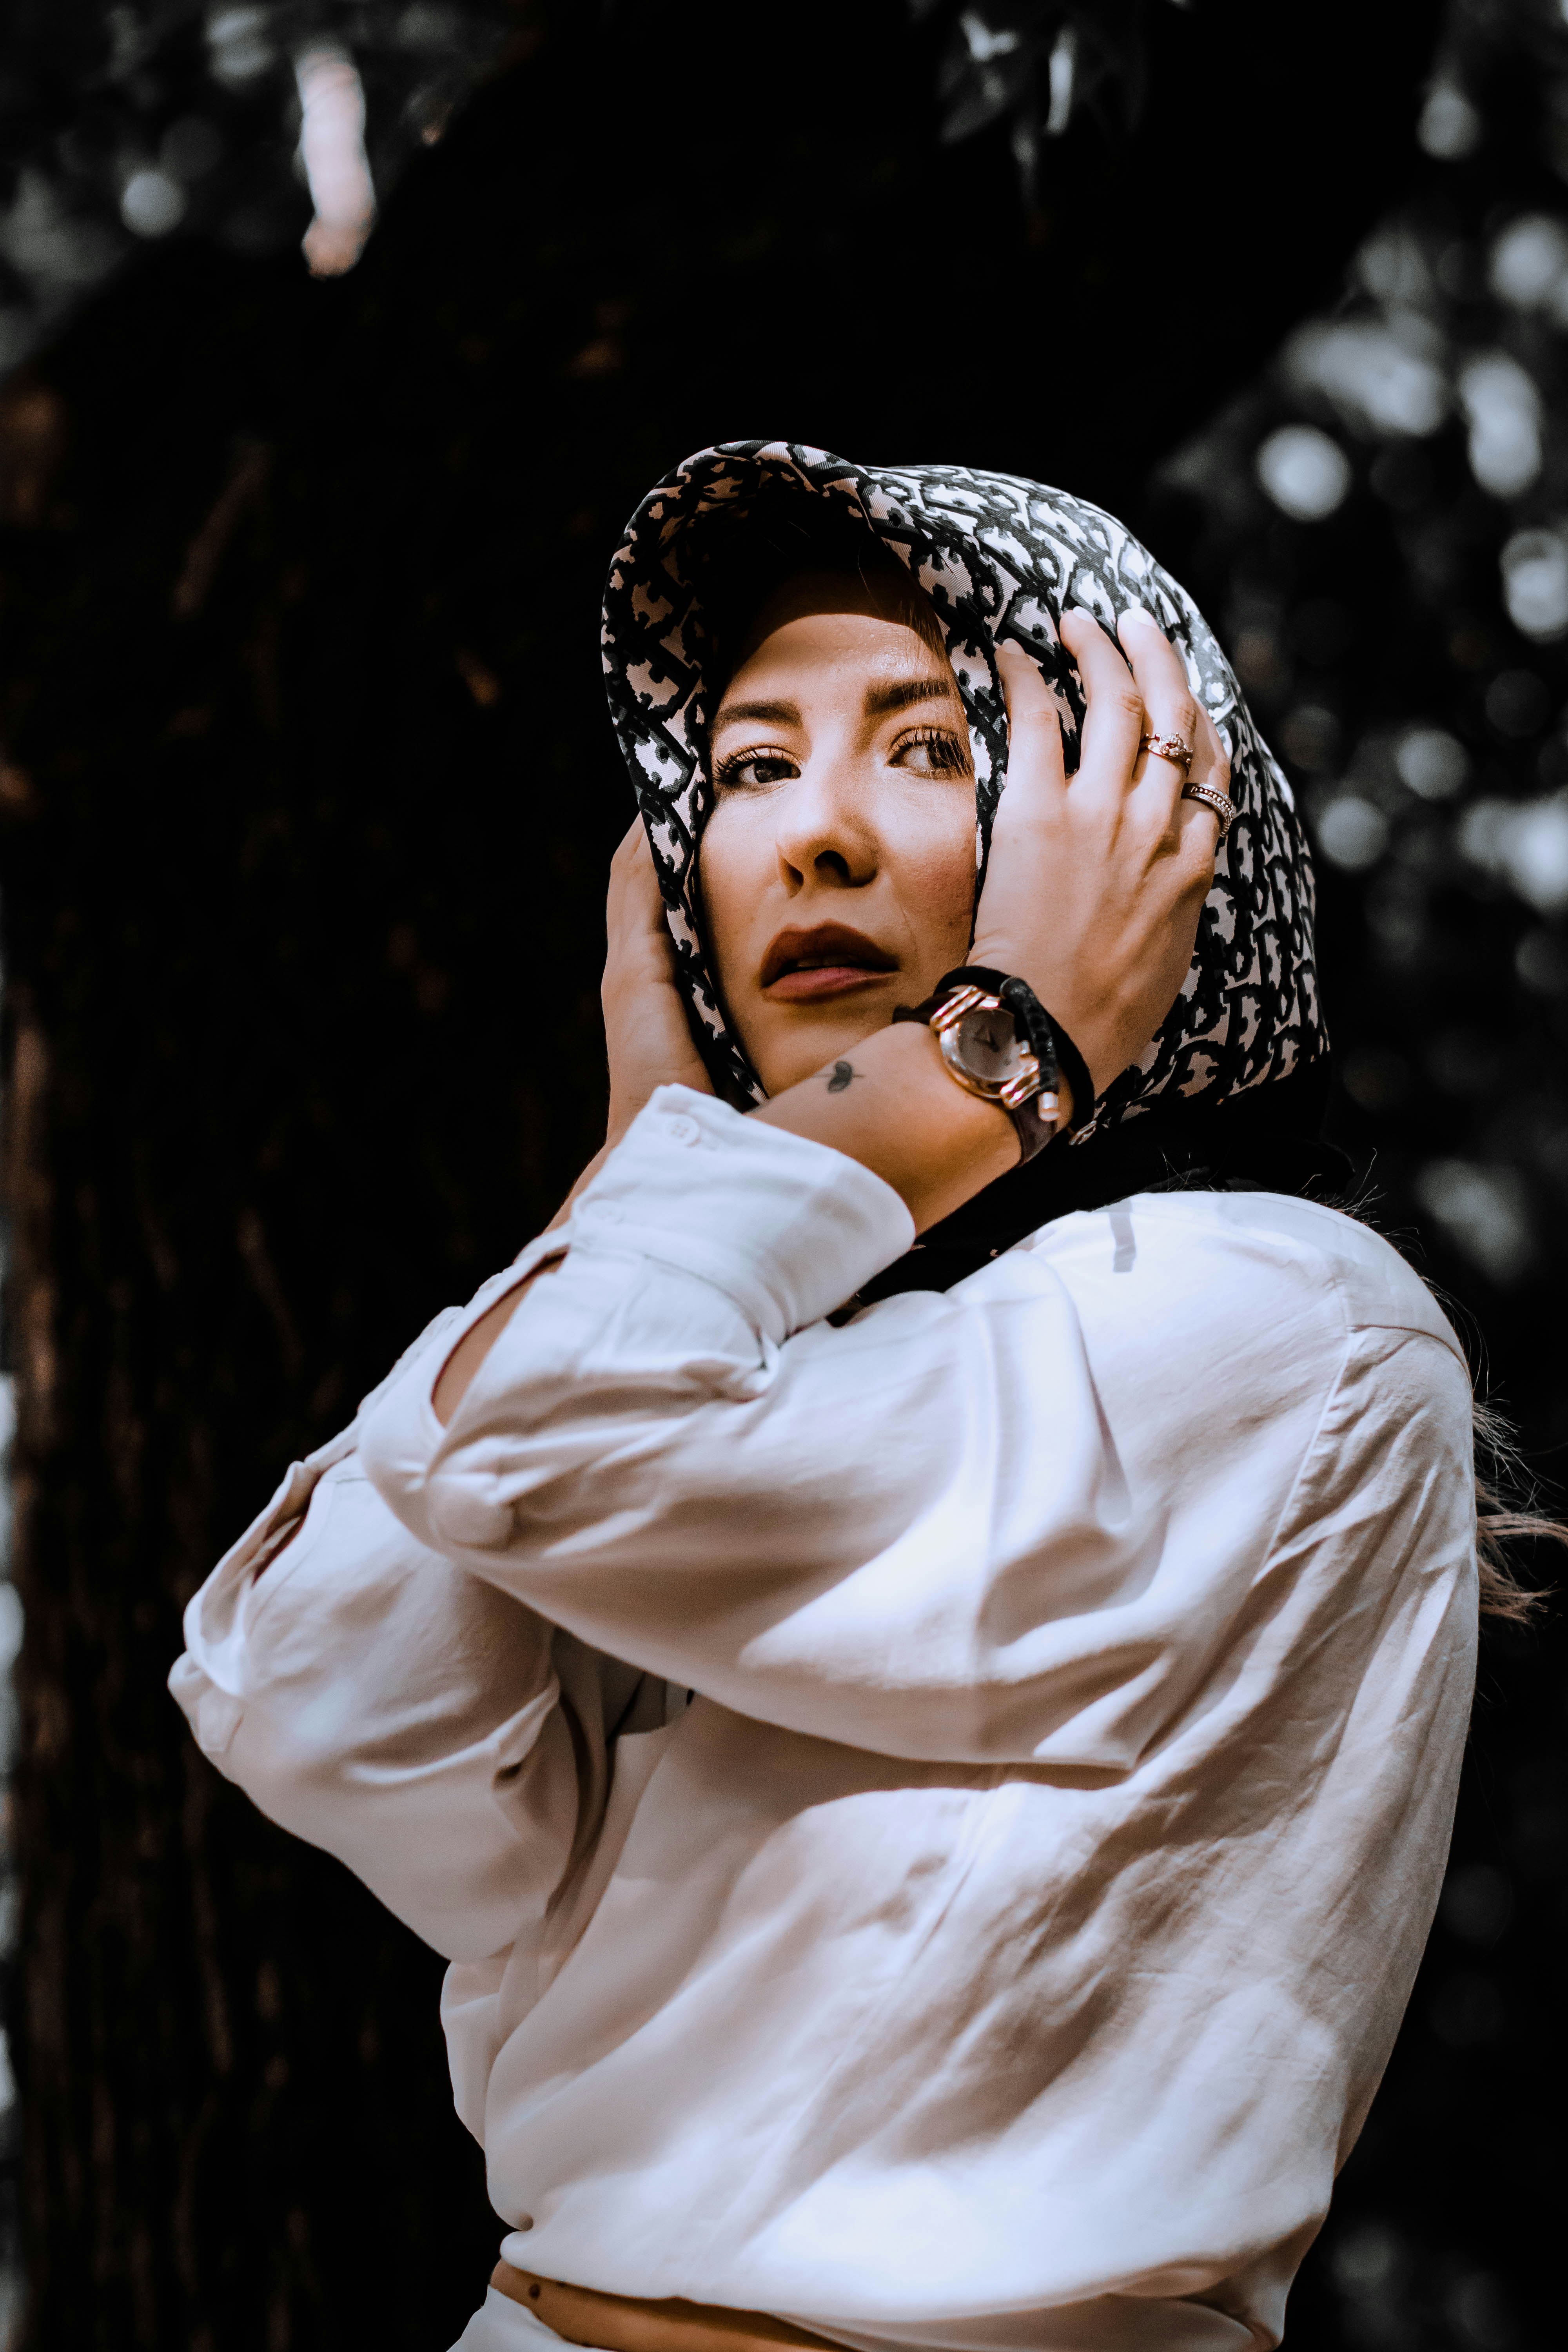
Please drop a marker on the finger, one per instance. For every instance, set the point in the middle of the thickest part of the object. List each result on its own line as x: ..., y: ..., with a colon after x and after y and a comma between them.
x: 1201, y: 828
x: 1168, y: 700
x: 1195, y: 862
x: 623, y: 880
x: 633, y: 838
x: 1114, y: 722
x: 1199, y: 832
x: 633, y: 878
x: 1035, y: 761
x: 1211, y: 761
x: 637, y: 937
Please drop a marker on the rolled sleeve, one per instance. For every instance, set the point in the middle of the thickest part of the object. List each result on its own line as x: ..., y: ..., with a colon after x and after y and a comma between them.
x: 784, y: 1227
x: 383, y: 1703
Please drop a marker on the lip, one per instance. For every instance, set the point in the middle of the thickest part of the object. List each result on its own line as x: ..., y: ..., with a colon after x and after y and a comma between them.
x: 828, y: 960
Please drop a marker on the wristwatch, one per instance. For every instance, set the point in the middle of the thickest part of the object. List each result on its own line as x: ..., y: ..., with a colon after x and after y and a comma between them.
x: 999, y: 1043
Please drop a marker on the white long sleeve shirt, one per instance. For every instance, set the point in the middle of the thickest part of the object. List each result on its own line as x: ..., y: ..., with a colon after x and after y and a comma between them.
x: 1002, y: 1948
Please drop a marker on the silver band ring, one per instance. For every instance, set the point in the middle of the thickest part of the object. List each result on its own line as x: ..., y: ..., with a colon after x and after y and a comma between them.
x: 1212, y: 797
x: 1169, y: 747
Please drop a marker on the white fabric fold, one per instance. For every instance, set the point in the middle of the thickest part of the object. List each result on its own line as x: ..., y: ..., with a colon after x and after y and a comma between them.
x: 1001, y: 1953
x: 380, y: 1702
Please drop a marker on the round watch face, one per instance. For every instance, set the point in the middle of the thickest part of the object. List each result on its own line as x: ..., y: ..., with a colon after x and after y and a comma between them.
x: 984, y: 1051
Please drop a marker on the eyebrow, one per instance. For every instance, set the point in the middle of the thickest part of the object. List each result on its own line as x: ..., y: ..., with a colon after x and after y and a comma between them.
x: 776, y: 714
x: 879, y: 701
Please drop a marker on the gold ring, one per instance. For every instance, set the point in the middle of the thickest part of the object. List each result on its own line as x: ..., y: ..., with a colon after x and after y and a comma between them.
x: 1169, y: 747
x: 1212, y: 797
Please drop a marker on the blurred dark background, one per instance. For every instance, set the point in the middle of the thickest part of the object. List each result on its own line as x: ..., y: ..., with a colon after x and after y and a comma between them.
x: 305, y: 781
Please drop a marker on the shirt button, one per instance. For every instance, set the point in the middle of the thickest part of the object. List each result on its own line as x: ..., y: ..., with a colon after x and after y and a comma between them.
x: 683, y: 1130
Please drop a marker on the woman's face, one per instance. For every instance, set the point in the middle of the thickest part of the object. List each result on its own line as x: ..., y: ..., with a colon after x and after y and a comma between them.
x: 838, y: 866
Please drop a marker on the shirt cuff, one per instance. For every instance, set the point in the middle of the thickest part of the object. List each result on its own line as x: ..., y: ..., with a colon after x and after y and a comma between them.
x: 787, y: 1228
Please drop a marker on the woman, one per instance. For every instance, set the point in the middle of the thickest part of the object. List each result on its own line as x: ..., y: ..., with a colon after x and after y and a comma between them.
x: 913, y: 1650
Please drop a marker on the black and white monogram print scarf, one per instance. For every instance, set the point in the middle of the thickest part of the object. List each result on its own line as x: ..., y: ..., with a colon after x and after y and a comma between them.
x: 998, y: 558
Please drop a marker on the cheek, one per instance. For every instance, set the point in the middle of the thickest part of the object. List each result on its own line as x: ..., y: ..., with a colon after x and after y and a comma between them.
x: 937, y: 877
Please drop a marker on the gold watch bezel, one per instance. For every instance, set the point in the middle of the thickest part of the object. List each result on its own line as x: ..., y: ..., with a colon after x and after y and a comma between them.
x: 1023, y: 1085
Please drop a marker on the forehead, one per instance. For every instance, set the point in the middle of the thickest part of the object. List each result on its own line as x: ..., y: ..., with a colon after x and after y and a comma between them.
x: 877, y: 592
x: 837, y: 647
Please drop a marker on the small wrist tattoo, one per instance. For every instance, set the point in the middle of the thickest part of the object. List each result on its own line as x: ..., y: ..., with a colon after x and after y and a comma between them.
x: 842, y: 1073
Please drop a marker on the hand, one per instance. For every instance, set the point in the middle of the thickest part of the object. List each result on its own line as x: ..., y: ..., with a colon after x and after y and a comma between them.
x: 645, y: 1028
x: 1095, y: 884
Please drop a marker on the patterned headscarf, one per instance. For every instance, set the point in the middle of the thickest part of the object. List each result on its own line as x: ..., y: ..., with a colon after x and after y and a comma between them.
x: 998, y: 558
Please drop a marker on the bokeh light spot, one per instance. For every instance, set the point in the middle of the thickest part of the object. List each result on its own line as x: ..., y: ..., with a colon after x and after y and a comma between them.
x: 1535, y: 584
x: 1309, y: 738
x: 1535, y: 854
x: 1352, y: 833
x: 151, y: 204
x: 1483, y: 1211
x: 1365, y: 2258
x: 1528, y: 261
x: 1380, y: 376
x: 1523, y: 841
x: 1449, y: 127
x: 1502, y: 408
x: 1305, y: 473
x: 238, y: 45
x: 1432, y: 762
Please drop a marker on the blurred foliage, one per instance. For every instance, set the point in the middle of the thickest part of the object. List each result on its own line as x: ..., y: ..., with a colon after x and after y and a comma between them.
x: 123, y: 125
x: 1035, y: 64
x: 1379, y: 525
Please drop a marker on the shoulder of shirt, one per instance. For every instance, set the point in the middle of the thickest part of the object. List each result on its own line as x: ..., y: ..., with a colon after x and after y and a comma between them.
x: 1245, y: 1238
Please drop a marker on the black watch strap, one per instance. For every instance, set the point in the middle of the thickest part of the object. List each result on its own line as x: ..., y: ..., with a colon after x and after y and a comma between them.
x: 1053, y: 1050
x: 1046, y: 1037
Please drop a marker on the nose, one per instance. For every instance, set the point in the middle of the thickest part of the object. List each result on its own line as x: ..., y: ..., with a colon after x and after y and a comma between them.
x: 825, y: 832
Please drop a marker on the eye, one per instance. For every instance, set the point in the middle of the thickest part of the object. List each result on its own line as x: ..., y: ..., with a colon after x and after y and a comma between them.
x: 931, y: 751
x: 758, y: 763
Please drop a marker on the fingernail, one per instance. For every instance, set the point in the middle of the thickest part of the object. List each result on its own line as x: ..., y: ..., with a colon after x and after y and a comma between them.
x: 1136, y: 613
